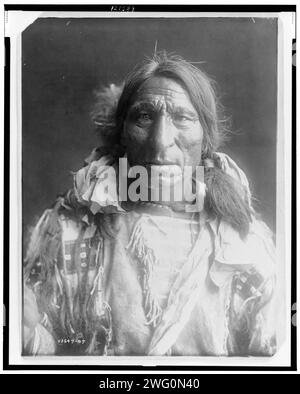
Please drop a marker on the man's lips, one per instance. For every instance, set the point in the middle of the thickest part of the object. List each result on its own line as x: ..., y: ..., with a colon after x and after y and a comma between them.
x: 168, y: 172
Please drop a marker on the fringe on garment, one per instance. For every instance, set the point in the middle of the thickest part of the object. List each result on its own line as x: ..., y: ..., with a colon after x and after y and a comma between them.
x: 145, y: 255
x: 100, y: 308
x: 241, y: 324
x: 50, y: 286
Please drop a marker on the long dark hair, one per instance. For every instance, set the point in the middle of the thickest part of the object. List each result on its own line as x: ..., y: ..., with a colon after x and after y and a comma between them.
x: 225, y: 197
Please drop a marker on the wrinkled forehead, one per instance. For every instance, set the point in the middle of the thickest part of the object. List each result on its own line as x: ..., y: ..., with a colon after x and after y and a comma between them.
x: 163, y: 91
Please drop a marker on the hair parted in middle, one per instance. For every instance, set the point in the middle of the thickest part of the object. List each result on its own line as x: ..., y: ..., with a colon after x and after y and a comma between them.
x: 225, y: 197
x: 112, y: 103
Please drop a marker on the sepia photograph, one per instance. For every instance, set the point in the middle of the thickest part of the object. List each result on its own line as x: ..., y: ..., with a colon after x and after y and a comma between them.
x: 150, y: 188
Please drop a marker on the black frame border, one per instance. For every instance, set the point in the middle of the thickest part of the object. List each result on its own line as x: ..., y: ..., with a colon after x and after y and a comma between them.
x: 132, y: 9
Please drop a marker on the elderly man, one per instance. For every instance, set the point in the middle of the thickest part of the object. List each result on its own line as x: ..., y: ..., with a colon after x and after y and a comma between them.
x: 106, y: 275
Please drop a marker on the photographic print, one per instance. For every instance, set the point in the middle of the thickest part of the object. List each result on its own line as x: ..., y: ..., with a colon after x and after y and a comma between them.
x: 149, y: 162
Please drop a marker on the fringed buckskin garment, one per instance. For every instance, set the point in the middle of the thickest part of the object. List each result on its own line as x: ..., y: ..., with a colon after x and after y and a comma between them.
x: 147, y: 281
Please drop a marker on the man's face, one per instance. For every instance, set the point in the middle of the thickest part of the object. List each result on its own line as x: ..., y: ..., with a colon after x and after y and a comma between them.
x: 162, y: 127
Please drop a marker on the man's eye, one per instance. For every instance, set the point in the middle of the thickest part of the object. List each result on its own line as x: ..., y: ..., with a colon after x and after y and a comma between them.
x: 182, y: 118
x: 144, y: 117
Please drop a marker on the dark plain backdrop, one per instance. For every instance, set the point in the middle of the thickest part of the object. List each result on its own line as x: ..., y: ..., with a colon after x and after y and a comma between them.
x: 64, y: 60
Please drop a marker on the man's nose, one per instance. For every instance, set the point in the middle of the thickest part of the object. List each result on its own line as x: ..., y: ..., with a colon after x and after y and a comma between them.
x: 162, y: 136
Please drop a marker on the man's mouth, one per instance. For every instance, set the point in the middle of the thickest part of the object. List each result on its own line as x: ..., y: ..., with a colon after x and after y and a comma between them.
x: 165, y: 174
x: 165, y: 170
